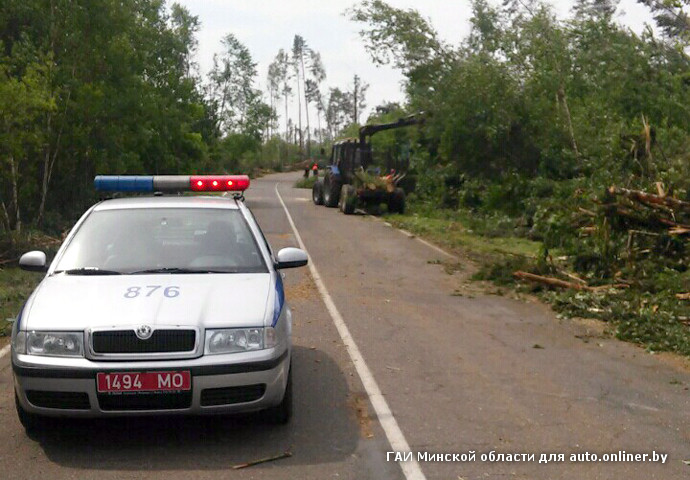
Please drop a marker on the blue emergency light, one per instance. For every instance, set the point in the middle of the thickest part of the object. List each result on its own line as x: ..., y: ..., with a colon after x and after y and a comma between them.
x: 171, y: 183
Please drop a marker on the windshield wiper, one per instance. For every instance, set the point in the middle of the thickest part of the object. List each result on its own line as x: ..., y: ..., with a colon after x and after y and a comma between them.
x: 175, y: 270
x: 88, y: 271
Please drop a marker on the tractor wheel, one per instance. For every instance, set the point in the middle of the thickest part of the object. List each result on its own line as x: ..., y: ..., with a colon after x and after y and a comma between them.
x: 396, y: 201
x: 331, y: 194
x: 348, y: 199
x: 317, y: 192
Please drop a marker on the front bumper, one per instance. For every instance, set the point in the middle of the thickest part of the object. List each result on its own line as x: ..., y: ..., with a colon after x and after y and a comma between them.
x: 254, y: 380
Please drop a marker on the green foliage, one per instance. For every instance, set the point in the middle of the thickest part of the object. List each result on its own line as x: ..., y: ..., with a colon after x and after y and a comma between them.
x: 15, y: 287
x: 104, y: 87
x: 307, y: 182
x: 530, y: 120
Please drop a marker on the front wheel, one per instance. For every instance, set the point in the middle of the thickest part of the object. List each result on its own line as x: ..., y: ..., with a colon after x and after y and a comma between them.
x: 348, y: 199
x: 317, y: 192
x: 331, y: 192
x: 396, y: 201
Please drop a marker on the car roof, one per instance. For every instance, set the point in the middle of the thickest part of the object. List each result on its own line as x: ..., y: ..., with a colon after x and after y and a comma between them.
x: 178, y: 201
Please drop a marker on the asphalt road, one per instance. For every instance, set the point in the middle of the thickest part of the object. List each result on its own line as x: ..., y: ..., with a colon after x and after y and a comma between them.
x: 459, y: 373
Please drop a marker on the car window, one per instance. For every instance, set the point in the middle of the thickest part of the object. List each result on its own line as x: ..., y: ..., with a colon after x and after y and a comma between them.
x: 132, y: 240
x: 263, y: 236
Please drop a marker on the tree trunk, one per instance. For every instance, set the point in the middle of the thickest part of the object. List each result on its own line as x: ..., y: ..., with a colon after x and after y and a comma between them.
x: 15, y: 196
x: 306, y: 110
x: 318, y: 119
x: 49, y: 160
x: 355, y: 102
x: 299, y: 113
x: 287, y: 129
x: 5, y: 218
x: 563, y: 99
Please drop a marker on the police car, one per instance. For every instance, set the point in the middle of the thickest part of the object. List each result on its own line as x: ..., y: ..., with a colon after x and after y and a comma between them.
x: 157, y: 304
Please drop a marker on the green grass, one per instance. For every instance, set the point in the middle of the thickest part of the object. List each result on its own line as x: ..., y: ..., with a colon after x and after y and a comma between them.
x: 454, y: 234
x: 306, y: 182
x: 648, y: 313
x: 15, y: 287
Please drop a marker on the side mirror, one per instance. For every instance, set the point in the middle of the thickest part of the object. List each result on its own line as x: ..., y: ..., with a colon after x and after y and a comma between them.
x: 33, y: 261
x: 291, y: 257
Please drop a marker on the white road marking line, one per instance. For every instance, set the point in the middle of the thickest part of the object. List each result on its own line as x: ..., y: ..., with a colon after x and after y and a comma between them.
x: 412, y: 235
x: 5, y: 350
x: 438, y: 249
x: 411, y: 469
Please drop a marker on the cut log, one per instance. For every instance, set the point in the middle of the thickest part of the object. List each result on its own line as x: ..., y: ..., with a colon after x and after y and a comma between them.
x: 557, y: 282
x: 554, y: 282
x: 649, y: 198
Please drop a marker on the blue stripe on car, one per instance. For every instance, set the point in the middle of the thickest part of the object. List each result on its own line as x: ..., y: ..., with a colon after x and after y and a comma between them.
x: 19, y: 315
x: 279, y: 299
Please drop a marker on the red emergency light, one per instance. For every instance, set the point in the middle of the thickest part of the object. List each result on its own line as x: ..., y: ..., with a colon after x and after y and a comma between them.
x: 219, y: 183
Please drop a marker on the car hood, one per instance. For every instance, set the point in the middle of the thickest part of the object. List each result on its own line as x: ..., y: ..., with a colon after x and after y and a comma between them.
x: 75, y: 302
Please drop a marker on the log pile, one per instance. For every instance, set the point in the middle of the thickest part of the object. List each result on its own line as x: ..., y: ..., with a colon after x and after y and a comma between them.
x: 652, y: 213
x: 650, y: 221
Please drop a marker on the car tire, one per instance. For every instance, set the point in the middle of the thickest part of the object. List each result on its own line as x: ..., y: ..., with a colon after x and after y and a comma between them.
x: 281, y: 413
x: 396, y: 201
x: 31, y: 422
x: 317, y: 192
x: 331, y: 194
x: 347, y: 199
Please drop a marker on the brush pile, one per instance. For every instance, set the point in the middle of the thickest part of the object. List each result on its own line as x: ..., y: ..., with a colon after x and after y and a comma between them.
x: 650, y: 213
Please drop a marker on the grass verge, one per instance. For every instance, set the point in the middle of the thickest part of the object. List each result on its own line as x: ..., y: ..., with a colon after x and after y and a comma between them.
x: 651, y: 312
x: 15, y: 287
x: 306, y: 182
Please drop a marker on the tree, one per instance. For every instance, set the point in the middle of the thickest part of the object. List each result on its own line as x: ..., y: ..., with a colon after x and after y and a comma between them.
x: 273, y: 79
x: 232, y: 89
x: 25, y: 100
x: 672, y: 17
x: 119, y: 94
x: 300, y: 50
x: 595, y: 9
x: 281, y: 76
x: 312, y: 86
x: 338, y: 111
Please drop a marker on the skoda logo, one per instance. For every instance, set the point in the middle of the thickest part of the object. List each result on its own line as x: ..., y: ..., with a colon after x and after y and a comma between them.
x: 144, y: 332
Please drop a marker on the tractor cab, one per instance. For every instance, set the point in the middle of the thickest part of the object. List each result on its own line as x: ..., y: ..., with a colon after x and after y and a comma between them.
x: 350, y: 179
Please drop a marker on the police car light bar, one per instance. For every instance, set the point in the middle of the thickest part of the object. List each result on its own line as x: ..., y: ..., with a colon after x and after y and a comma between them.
x: 171, y: 183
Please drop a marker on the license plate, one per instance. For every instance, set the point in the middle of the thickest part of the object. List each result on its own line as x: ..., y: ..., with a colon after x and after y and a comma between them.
x: 143, y: 381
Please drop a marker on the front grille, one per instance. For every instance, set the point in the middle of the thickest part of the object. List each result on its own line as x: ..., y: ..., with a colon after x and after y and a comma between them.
x: 145, y: 401
x: 62, y: 400
x: 230, y: 395
x: 126, y: 341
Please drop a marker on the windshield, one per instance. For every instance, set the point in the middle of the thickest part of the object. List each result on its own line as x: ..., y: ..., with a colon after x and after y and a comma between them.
x: 163, y: 240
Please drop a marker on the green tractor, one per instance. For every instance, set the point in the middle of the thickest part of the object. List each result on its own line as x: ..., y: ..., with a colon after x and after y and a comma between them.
x: 351, y: 181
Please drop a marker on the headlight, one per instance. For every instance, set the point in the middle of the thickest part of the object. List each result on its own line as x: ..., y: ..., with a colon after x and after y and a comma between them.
x: 239, y: 340
x: 55, y: 344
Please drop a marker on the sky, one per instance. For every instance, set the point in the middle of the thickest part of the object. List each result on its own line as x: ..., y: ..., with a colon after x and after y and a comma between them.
x: 265, y: 26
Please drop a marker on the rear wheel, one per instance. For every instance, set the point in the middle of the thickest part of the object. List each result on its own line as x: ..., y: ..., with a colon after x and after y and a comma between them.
x: 317, y: 192
x: 331, y: 194
x: 281, y: 413
x: 348, y: 199
x: 396, y: 201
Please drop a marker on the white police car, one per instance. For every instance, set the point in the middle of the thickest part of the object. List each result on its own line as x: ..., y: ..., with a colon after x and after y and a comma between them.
x: 157, y: 304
